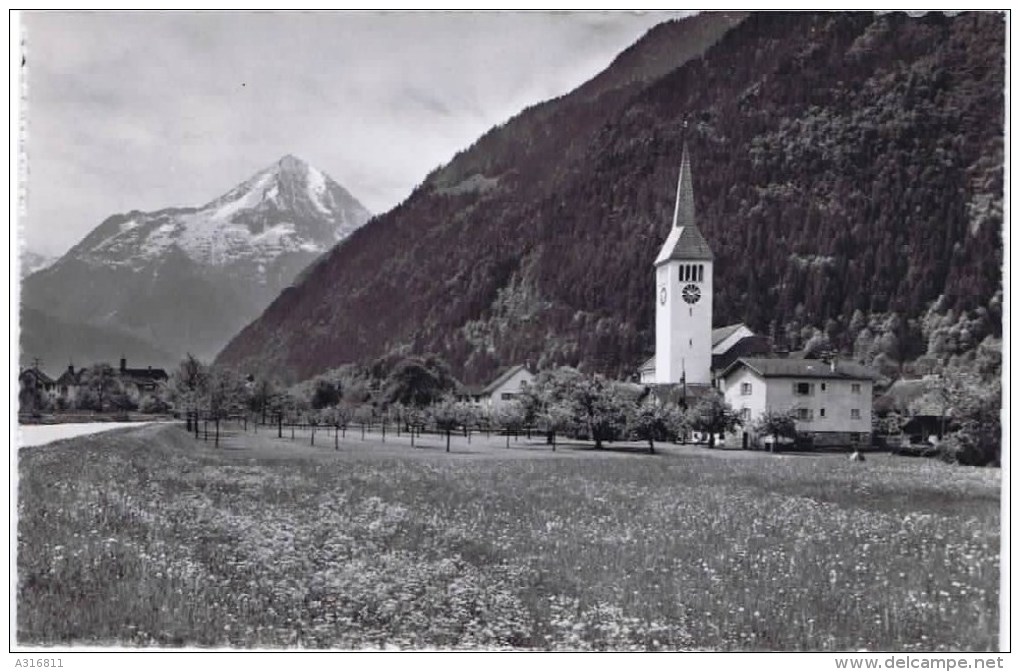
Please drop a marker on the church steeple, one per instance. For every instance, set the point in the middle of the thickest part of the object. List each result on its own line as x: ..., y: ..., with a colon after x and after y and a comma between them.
x: 685, y: 241
x: 683, y: 213
x: 683, y: 279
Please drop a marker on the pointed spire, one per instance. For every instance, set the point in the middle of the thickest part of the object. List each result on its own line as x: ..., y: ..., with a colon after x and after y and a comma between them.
x: 685, y: 241
x: 683, y: 213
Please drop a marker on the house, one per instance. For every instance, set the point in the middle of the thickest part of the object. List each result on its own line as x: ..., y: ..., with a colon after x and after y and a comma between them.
x: 34, y: 379
x: 68, y: 384
x: 921, y: 415
x: 507, y: 386
x: 831, y: 400
x: 140, y: 384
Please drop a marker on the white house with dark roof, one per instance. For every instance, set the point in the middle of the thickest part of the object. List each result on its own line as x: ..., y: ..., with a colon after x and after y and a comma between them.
x: 831, y: 400
x: 507, y: 386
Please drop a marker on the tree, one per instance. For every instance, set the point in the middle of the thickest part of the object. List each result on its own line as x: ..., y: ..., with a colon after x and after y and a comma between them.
x: 101, y: 380
x: 224, y: 394
x: 975, y: 406
x: 712, y: 414
x: 186, y: 387
x: 510, y: 416
x: 650, y: 421
x: 554, y: 419
x: 262, y: 393
x: 326, y: 394
x: 597, y: 405
x: 777, y: 424
x: 416, y: 382
x: 446, y: 416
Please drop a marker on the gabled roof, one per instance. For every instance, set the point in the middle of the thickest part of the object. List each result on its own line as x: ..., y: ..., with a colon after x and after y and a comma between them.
x: 774, y: 367
x: 38, y: 374
x: 502, y: 378
x: 144, y: 374
x: 69, y: 377
x: 649, y: 364
x: 720, y: 334
x: 685, y: 241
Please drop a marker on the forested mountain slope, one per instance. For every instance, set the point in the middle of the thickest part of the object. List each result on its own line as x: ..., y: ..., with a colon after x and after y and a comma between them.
x: 847, y: 173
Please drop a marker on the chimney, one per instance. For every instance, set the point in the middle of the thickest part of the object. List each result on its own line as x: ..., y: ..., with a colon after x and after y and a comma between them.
x: 70, y: 369
x: 123, y: 364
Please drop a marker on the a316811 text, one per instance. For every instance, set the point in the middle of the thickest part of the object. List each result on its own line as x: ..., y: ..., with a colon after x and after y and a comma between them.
x: 39, y: 662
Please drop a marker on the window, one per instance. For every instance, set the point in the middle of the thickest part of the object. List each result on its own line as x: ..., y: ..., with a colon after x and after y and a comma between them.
x: 855, y: 437
x: 701, y: 272
x: 855, y: 388
x: 745, y: 414
x: 823, y: 387
x: 805, y: 414
x: 821, y: 413
x: 803, y: 389
x: 855, y: 413
x: 745, y: 389
x: 507, y: 396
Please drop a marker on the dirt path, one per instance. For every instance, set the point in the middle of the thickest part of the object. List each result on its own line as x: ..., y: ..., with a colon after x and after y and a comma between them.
x: 39, y: 435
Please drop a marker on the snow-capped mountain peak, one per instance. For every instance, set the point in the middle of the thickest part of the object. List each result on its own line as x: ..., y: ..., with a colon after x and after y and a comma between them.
x: 186, y: 279
x: 288, y: 207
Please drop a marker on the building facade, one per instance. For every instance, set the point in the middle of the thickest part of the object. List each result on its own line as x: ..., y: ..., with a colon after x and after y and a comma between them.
x: 506, y: 387
x: 830, y: 400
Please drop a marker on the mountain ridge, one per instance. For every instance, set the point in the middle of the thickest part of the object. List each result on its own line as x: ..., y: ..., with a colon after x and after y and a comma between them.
x: 184, y: 279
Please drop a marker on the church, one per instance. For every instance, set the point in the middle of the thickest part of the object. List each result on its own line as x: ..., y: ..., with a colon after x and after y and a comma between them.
x: 687, y: 349
x: 831, y: 400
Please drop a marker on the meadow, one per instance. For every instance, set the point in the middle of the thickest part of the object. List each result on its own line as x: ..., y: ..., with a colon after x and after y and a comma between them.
x: 147, y: 537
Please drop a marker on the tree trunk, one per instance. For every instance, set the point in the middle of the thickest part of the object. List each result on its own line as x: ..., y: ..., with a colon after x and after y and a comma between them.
x: 508, y: 438
x: 384, y: 431
x: 279, y: 426
x: 711, y: 439
x: 246, y: 423
x: 292, y: 431
x: 552, y: 440
x: 362, y: 431
x: 206, y: 428
x: 313, y: 435
x: 217, y: 441
x: 447, y: 440
x: 651, y: 446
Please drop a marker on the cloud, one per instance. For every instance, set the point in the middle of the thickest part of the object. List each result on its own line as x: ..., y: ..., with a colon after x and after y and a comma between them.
x: 150, y: 110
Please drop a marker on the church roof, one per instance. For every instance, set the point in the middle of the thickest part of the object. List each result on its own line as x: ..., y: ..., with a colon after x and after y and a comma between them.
x: 685, y: 241
x: 720, y: 334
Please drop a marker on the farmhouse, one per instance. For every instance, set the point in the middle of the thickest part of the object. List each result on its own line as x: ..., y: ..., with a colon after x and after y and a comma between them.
x: 506, y: 387
x: 831, y: 400
x: 68, y: 384
x: 140, y: 384
x: 35, y: 379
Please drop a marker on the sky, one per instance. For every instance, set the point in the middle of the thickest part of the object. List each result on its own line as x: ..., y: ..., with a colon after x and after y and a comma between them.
x: 142, y: 111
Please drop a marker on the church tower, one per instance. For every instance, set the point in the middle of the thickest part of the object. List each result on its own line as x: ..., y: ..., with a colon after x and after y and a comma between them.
x: 683, y: 294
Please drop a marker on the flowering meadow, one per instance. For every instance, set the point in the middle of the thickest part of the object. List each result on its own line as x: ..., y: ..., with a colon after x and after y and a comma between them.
x: 145, y: 537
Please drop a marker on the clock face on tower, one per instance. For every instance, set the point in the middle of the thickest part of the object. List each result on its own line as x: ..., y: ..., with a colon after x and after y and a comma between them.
x: 691, y: 293
x: 662, y: 296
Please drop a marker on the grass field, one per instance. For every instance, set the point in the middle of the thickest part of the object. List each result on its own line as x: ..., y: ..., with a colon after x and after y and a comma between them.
x: 146, y: 537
